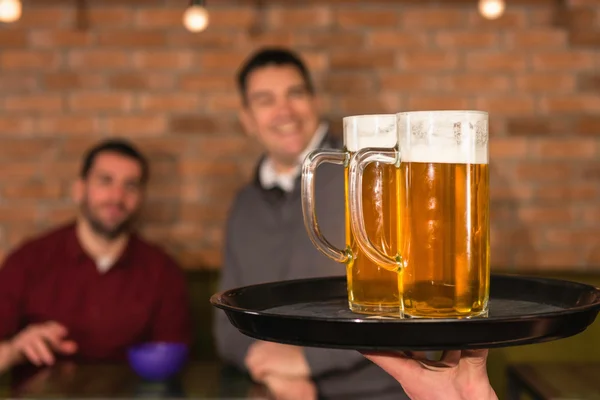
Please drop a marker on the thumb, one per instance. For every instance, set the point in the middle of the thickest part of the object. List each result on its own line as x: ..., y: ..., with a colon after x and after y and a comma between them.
x: 67, y: 347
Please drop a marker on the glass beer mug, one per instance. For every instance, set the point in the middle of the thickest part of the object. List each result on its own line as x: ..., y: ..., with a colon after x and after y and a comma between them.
x: 444, y: 225
x: 372, y: 289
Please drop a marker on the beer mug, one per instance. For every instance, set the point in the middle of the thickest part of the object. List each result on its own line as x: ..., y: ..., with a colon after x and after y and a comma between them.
x: 372, y: 289
x: 444, y: 225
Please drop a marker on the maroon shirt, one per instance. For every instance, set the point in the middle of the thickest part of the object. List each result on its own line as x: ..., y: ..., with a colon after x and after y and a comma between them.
x: 141, y: 298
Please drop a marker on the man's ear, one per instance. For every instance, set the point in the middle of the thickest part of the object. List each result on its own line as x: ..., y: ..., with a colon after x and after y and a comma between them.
x: 77, y: 190
x: 247, y: 121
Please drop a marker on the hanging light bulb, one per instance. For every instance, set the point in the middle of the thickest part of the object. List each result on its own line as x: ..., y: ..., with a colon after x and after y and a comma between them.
x: 491, y: 9
x: 195, y: 18
x: 10, y: 10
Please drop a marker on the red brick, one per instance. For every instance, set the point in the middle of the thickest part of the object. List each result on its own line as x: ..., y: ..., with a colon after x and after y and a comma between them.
x: 164, y: 59
x: 13, y: 126
x: 132, y: 38
x: 38, y: 17
x: 136, y: 81
x: 582, y: 103
x: 15, y: 169
x: 546, y: 82
x: 276, y: 38
x: 562, y: 237
x: 425, y: 19
x: 536, y: 39
x: 495, y: 62
x: 169, y: 102
x: 99, y: 59
x: 382, y: 103
x: 203, y: 169
x: 207, y: 39
x: 227, y: 144
x: 68, y: 125
x: 72, y: 80
x: 204, y: 83
x: 508, y: 148
x: 563, y: 148
x: 201, y: 125
x: 110, y: 17
x: 18, y: 82
x: 519, y: 105
x: 589, y: 83
x: 41, y: 189
x: 136, y: 125
x: 585, y: 38
x: 18, y: 212
x: 17, y: 233
x: 361, y: 61
x: 549, y: 259
x: 238, y: 17
x: 515, y: 18
x: 357, y: 18
x: 75, y: 147
x: 568, y: 61
x: 159, y: 17
x: 428, y: 60
x: 476, y: 83
x: 223, y: 103
x: 591, y: 170
x: 544, y: 171
x: 222, y: 61
x: 590, y: 214
x: 315, y: 61
x: 567, y: 192
x: 51, y: 216
x: 42, y: 103
x: 27, y: 59
x: 48, y: 38
x: 101, y: 101
x: 33, y: 149
x: 306, y: 16
x: 545, y: 215
x: 587, y: 125
x: 466, y: 39
x: 13, y: 38
x: 162, y: 212
x: 350, y: 83
x: 510, y: 192
x: 170, y: 147
x: 394, y: 39
x: 405, y: 82
x: 419, y: 103
x: 201, y: 259
x: 538, y: 126
x: 326, y: 39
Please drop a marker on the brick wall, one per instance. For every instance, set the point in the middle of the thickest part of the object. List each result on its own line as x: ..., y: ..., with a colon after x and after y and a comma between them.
x: 135, y: 71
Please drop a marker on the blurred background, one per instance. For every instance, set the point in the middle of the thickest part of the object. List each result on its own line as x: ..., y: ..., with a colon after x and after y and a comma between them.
x: 72, y: 72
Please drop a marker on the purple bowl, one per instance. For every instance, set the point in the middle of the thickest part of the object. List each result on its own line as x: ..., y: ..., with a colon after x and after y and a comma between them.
x: 157, y: 361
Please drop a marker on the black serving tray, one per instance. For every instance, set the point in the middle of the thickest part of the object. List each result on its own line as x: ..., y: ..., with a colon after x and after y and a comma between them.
x: 314, y: 313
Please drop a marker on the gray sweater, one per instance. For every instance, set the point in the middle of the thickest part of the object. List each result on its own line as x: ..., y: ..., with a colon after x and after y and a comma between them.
x: 266, y: 241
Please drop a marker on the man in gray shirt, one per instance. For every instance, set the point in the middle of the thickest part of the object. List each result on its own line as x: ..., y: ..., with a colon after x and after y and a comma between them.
x: 266, y: 240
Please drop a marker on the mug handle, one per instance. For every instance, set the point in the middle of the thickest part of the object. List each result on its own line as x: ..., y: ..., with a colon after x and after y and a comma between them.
x: 358, y: 164
x: 309, y: 168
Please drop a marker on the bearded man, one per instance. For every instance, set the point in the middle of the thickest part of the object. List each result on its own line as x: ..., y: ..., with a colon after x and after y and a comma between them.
x: 91, y: 288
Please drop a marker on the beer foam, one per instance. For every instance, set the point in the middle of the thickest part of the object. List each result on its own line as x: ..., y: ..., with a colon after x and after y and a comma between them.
x: 457, y: 137
x: 376, y: 130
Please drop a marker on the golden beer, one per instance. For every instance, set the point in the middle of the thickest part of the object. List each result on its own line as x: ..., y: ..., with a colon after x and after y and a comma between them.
x: 373, y: 289
x: 445, y: 239
x: 443, y: 208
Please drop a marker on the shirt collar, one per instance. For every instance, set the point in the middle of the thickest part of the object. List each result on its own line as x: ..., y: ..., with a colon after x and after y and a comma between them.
x: 268, y: 175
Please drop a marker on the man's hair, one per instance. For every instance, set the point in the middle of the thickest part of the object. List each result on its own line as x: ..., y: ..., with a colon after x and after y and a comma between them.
x: 271, y: 56
x: 118, y: 146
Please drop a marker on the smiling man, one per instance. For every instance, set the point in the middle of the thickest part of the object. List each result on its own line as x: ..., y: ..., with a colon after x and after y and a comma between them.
x: 266, y: 239
x: 91, y: 288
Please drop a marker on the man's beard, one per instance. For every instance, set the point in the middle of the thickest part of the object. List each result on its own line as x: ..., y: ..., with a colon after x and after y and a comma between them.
x: 99, y: 228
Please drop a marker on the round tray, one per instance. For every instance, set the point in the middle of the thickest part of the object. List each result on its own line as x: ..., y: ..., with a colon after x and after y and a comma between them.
x: 314, y: 313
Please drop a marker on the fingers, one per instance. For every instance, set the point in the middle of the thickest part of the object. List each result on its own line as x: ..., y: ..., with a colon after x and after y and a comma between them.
x: 476, y: 357
x: 397, y: 364
x: 37, y: 343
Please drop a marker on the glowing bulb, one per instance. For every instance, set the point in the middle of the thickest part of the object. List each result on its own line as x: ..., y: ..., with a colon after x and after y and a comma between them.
x: 195, y: 18
x: 10, y: 10
x: 491, y: 9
